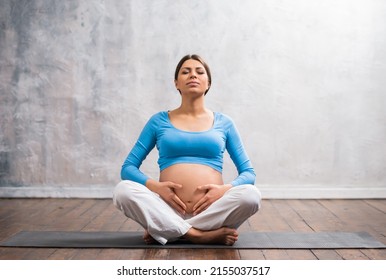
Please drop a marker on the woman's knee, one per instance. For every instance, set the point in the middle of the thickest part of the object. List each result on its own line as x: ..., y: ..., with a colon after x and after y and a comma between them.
x: 251, y: 197
x: 124, y: 191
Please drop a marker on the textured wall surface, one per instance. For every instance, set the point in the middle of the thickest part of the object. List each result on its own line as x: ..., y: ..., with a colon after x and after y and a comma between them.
x: 305, y: 81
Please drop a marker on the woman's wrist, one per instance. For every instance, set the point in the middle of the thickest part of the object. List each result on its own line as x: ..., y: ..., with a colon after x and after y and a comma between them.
x: 151, y: 184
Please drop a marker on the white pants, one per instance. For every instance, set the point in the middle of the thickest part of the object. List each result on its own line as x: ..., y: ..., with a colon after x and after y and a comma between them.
x: 165, y: 224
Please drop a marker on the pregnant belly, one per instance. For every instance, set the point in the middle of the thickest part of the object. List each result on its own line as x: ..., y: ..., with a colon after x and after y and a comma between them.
x: 190, y: 176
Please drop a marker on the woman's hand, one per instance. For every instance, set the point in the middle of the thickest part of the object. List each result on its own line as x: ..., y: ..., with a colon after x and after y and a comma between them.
x: 167, y: 193
x: 213, y: 192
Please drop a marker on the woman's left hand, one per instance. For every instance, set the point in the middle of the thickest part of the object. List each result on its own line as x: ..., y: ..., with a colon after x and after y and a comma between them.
x: 213, y: 192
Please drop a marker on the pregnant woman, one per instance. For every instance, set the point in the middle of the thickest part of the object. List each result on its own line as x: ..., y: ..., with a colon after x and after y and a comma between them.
x: 190, y: 200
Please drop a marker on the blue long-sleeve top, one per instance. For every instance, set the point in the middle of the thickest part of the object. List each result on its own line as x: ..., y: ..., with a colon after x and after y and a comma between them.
x: 178, y: 146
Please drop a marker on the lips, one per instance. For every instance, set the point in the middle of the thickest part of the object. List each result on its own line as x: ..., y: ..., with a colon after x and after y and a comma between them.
x: 193, y: 83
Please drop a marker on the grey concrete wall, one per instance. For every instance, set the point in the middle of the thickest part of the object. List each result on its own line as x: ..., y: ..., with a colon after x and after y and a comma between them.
x: 305, y: 82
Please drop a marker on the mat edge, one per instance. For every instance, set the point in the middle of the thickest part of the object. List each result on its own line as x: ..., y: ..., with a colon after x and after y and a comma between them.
x: 196, y: 246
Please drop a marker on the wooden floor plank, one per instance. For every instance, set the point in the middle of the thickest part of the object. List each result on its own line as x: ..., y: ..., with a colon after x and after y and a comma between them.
x: 375, y: 254
x: 98, y: 217
x: 268, y: 219
x: 63, y: 254
x: 129, y: 254
x: 358, y: 216
x: 290, y: 216
x: 13, y: 253
x: 9, y: 207
x: 222, y: 254
x: 86, y: 254
x: 316, y: 215
x: 300, y: 254
x: 321, y: 254
x: 352, y: 254
x: 111, y: 254
x: 188, y: 254
x: 276, y: 254
x: 247, y: 254
x: 156, y: 254
x: 377, y: 203
x: 38, y: 253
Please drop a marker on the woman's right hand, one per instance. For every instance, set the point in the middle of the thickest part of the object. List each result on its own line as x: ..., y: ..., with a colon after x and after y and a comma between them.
x: 167, y: 193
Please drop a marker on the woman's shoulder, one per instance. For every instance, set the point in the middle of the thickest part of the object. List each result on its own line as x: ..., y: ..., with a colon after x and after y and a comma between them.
x: 223, y: 118
x: 160, y: 116
x: 156, y: 121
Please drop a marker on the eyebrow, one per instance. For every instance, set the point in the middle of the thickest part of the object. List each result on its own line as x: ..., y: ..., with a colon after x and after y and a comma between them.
x: 189, y: 68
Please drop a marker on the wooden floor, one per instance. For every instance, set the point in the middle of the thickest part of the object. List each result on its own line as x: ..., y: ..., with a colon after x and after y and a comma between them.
x: 275, y: 215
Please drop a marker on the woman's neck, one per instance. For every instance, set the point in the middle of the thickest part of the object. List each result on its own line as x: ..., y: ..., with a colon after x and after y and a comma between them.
x: 193, y: 106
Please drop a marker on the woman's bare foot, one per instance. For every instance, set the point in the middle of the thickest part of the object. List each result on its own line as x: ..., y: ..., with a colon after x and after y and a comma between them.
x: 224, y: 235
x: 148, y: 238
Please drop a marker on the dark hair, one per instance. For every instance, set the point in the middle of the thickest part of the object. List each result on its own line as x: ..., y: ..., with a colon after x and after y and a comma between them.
x: 198, y: 58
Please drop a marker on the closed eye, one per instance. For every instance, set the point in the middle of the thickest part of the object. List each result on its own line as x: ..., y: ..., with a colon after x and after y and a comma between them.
x: 187, y: 70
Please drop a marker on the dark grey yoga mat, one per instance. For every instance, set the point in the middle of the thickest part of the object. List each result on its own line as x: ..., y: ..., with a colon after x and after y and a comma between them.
x: 247, y: 240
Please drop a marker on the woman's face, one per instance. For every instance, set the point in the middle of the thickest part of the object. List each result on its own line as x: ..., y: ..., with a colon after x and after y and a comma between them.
x: 192, y: 77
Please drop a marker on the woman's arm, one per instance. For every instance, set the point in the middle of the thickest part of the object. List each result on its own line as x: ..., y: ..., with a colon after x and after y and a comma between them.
x: 235, y: 148
x: 143, y: 146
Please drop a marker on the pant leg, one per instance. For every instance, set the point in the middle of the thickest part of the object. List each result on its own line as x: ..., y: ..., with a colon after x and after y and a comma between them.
x: 231, y: 210
x: 149, y: 210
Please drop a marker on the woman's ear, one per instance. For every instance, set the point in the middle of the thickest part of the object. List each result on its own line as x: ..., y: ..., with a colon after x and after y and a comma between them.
x: 207, y: 88
x: 175, y: 83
